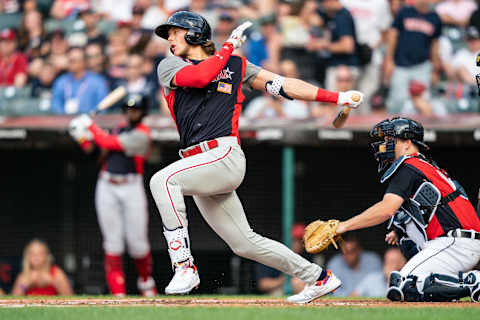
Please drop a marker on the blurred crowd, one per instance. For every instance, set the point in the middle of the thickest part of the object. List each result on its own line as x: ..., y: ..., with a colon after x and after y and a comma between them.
x: 409, y: 57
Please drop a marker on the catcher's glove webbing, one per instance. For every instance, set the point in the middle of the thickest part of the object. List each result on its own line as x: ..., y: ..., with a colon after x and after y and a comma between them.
x: 320, y: 234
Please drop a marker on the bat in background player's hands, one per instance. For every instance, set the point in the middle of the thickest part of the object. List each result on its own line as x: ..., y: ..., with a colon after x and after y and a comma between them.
x: 237, y: 38
x: 352, y: 99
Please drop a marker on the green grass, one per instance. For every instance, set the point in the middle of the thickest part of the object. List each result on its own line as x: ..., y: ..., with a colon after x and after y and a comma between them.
x: 234, y: 313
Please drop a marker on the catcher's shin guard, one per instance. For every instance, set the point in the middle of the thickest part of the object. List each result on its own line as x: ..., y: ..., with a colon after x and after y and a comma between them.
x: 114, y: 275
x: 394, y: 291
x: 440, y: 287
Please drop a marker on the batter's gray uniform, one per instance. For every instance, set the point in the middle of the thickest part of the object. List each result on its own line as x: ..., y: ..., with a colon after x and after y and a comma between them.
x: 212, y: 177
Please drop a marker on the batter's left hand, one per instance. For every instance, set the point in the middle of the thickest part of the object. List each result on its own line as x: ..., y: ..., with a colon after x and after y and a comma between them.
x: 237, y: 38
x: 352, y: 99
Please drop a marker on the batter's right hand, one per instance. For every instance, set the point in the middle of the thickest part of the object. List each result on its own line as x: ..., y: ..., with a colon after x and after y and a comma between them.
x: 350, y: 99
x: 237, y: 38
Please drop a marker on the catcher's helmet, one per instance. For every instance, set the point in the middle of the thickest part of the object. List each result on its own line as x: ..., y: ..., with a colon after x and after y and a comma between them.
x: 136, y: 101
x: 199, y: 30
x: 398, y: 127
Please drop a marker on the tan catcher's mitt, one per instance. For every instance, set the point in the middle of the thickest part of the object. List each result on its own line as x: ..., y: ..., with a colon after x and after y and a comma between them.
x: 320, y: 234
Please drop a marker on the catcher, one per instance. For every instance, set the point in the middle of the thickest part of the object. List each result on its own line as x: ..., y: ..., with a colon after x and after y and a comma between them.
x: 445, y: 225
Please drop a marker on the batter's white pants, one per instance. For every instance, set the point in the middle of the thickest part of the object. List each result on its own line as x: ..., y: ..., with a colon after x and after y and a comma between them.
x: 443, y: 255
x: 211, y: 178
x: 122, y: 213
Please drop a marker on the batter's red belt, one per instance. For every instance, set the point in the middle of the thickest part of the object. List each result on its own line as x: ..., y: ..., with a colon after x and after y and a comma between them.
x: 199, y: 148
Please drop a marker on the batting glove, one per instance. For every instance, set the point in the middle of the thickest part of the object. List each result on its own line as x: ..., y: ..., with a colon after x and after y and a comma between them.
x: 237, y: 38
x: 351, y: 99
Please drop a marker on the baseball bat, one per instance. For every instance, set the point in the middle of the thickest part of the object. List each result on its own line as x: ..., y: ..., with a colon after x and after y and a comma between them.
x: 341, y: 117
x: 110, y: 99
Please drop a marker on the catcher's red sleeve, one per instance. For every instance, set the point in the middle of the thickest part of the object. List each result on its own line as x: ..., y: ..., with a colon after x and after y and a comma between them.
x: 104, y: 140
x: 326, y: 96
x: 200, y: 75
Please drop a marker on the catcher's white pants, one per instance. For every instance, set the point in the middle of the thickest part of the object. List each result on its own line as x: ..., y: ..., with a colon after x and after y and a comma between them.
x: 443, y: 255
x: 211, y: 178
x: 123, y: 215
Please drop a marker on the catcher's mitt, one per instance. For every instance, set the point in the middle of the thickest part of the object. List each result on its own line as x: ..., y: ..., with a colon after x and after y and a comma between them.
x: 320, y: 234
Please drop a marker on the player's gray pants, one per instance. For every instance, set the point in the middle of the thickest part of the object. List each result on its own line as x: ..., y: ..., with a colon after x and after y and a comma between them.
x: 443, y: 255
x: 122, y: 214
x: 211, y: 178
x: 399, y: 85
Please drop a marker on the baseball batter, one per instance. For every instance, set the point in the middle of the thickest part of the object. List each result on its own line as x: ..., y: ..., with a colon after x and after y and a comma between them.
x: 203, y: 90
x: 120, y: 197
x: 431, y: 209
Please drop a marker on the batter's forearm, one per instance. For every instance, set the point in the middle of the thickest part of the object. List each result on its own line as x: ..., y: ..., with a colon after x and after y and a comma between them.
x: 301, y: 90
x: 104, y: 140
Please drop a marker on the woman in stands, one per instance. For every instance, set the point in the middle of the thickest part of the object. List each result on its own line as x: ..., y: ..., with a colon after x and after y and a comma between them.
x: 39, y: 276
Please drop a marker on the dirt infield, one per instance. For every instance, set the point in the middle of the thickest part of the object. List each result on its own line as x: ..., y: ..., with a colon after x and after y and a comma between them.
x: 219, y: 302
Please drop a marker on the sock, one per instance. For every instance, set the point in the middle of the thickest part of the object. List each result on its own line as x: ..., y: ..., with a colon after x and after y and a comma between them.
x: 114, y: 274
x: 144, y: 266
x: 322, y: 276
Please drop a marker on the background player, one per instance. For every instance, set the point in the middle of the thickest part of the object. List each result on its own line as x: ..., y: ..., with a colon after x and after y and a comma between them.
x: 120, y: 197
x: 203, y: 91
x: 428, y: 195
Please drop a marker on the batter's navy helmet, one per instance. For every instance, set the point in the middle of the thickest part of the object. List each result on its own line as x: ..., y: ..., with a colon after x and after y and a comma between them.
x: 199, y: 30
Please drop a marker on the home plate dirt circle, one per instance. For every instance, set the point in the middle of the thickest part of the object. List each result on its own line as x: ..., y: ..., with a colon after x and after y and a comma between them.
x: 218, y: 302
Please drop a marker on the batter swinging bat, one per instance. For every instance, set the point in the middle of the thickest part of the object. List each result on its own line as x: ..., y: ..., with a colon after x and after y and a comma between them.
x: 342, y: 116
x: 110, y: 99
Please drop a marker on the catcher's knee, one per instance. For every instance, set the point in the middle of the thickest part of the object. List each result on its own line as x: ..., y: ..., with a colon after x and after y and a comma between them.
x: 403, y: 289
x: 439, y: 287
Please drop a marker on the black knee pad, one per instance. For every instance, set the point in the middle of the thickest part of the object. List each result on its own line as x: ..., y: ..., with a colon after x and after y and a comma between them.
x: 410, y: 291
x: 394, y: 292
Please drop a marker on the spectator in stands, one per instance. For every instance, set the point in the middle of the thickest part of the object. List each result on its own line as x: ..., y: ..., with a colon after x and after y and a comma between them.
x: 63, y: 9
x: 271, y: 281
x: 58, y: 51
x: 31, y: 34
x: 352, y: 265
x: 475, y: 17
x: 464, y: 60
x: 395, y: 6
x: 374, y: 284
x: 341, y: 44
x: 42, y: 84
x: 378, y: 104
x: 268, y: 106
x: 39, y: 275
x: 344, y: 80
x: 154, y: 15
x: 412, y: 49
x: 117, y: 52
x: 13, y: 64
x: 10, y: 6
x: 420, y: 101
x: 97, y: 62
x: 263, y: 47
x: 91, y: 19
x: 456, y: 12
x: 80, y: 90
x: 372, y: 19
x: 225, y: 26
x: 136, y: 82
x: 139, y: 37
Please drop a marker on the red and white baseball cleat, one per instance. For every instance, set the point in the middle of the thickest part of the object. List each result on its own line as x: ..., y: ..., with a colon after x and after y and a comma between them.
x: 316, y: 289
x: 147, y: 287
x: 184, y: 280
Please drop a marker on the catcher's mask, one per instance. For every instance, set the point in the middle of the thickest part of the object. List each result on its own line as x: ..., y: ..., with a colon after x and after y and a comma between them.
x: 198, y: 29
x: 387, y: 131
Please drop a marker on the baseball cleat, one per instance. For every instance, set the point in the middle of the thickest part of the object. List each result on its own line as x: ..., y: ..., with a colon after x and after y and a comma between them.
x: 317, y: 289
x: 184, y: 280
x: 147, y: 287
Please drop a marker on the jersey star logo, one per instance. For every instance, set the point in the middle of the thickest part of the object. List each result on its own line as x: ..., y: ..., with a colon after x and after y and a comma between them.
x: 224, y: 74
